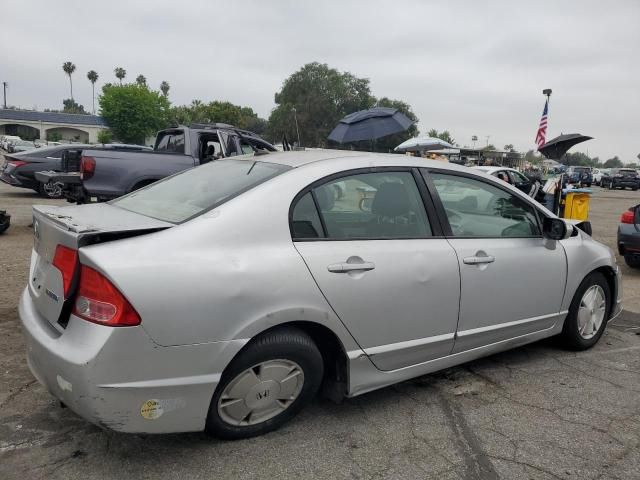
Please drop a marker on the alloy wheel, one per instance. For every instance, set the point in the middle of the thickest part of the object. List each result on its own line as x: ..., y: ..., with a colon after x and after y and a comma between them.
x: 52, y: 189
x: 261, y: 392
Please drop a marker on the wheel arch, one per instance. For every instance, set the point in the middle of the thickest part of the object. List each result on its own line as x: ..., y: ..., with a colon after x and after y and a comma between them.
x: 610, y: 276
x: 334, y: 355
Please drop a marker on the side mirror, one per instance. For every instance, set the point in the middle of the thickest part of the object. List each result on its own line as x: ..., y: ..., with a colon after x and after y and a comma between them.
x: 556, y: 229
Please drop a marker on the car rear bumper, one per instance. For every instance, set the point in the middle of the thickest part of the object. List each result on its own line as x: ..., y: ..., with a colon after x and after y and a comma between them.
x: 628, y: 239
x: 10, y: 179
x: 119, y: 378
x: 626, y: 183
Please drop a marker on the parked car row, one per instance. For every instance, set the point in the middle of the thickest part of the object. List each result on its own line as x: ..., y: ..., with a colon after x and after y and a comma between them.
x: 19, y: 169
x: 98, y: 174
x: 15, y: 144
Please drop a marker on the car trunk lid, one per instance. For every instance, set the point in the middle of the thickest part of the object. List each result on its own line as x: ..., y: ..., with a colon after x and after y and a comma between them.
x: 73, y: 228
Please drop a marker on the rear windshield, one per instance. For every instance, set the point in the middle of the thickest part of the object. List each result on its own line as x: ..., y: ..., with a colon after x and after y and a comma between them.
x: 189, y: 194
x: 627, y: 173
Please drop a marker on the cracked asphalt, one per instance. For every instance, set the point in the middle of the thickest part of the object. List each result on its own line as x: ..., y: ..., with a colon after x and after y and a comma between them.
x: 537, y: 412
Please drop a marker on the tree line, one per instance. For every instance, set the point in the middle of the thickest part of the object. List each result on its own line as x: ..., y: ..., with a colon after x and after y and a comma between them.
x: 309, y: 105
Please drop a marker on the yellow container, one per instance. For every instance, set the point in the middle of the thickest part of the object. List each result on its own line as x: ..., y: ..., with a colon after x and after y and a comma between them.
x: 576, y: 206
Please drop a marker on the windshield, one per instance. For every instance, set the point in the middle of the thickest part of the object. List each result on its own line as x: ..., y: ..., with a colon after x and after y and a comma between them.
x: 189, y: 194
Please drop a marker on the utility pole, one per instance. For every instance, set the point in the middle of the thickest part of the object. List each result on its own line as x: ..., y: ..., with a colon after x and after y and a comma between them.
x: 295, y: 117
x: 4, y: 87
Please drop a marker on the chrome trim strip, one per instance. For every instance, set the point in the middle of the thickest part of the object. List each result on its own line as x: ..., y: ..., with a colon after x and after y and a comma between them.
x: 499, y: 326
x: 391, y: 347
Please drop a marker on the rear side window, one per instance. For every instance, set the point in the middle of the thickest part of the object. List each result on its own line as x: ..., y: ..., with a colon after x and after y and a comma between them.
x: 171, y: 141
x: 384, y: 205
x: 305, y: 221
x: 195, y: 191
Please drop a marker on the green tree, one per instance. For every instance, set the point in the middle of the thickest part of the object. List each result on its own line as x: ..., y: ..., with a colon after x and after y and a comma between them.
x: 218, y: 112
x: 164, y: 88
x: 54, y: 136
x: 120, y: 73
x: 133, y: 112
x: 69, y: 68
x: 321, y: 96
x: 105, y: 136
x: 92, y: 75
x: 141, y: 80
x: 533, y: 157
x: 614, y: 162
x: 443, y: 135
x: 71, y: 106
x: 509, y: 147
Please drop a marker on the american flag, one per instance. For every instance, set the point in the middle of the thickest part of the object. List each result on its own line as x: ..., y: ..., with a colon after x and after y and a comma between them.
x: 542, y: 129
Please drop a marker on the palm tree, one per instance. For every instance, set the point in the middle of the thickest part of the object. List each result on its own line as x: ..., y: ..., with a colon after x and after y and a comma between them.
x: 69, y: 68
x: 92, y: 75
x: 141, y: 80
x: 120, y: 73
x: 164, y: 86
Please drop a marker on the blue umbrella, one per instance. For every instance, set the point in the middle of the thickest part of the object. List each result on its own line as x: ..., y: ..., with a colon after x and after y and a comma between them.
x: 370, y: 124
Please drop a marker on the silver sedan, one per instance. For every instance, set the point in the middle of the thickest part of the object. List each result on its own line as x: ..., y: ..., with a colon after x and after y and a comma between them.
x: 226, y: 297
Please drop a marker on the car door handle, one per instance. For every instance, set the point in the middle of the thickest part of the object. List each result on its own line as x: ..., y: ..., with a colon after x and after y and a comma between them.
x: 351, y: 267
x: 479, y: 260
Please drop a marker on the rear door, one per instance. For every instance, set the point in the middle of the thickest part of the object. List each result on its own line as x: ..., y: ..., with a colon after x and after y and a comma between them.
x: 381, y: 262
x: 512, y: 279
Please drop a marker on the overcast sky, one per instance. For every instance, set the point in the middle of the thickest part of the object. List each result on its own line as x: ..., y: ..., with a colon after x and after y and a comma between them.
x: 474, y: 68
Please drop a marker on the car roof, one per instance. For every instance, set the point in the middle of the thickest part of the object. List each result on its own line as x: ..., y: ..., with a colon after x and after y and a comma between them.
x: 314, y: 156
x: 494, y: 169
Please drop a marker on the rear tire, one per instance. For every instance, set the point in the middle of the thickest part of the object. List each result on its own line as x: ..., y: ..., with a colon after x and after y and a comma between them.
x: 50, y: 190
x: 632, y: 261
x: 266, y: 385
x: 588, y: 313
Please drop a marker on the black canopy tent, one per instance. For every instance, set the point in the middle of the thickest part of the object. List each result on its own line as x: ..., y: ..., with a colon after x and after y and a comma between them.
x: 555, y: 148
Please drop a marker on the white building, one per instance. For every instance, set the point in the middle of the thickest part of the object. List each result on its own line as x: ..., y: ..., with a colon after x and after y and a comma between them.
x: 31, y: 125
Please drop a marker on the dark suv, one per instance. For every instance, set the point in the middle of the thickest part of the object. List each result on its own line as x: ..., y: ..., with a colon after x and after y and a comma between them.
x: 623, y: 178
x: 580, y: 175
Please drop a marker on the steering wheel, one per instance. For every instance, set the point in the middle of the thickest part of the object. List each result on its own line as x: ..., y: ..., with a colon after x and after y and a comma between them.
x: 455, y: 221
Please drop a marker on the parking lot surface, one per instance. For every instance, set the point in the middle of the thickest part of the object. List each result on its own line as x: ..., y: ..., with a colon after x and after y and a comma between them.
x: 537, y: 412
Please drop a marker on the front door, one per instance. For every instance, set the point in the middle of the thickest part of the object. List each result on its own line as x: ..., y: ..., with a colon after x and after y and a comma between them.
x: 512, y: 278
x: 367, y: 240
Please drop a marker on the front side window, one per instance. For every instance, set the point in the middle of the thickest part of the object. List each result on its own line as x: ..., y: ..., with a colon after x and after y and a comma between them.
x: 382, y: 205
x: 477, y: 209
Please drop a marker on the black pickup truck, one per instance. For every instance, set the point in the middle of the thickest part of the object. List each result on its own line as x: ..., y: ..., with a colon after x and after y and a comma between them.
x: 100, y: 175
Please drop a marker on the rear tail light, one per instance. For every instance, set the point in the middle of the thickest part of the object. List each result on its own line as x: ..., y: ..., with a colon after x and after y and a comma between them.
x: 628, y: 217
x: 99, y: 301
x: 65, y: 260
x: 87, y: 167
x: 16, y: 163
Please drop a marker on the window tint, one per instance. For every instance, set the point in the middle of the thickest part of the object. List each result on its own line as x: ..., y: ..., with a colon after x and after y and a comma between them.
x: 305, y: 222
x: 517, y: 177
x: 171, y: 141
x: 372, y: 205
x: 478, y: 209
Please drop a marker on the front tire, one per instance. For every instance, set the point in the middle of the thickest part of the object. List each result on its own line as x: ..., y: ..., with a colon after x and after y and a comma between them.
x: 266, y: 385
x: 588, y: 313
x: 632, y: 261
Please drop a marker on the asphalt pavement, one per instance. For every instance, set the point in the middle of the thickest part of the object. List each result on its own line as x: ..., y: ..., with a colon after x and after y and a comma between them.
x: 537, y: 412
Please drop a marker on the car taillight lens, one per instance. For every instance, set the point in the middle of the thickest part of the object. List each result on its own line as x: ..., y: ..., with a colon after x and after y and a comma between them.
x: 628, y: 217
x: 87, y: 167
x: 16, y: 163
x: 65, y: 260
x: 99, y: 301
